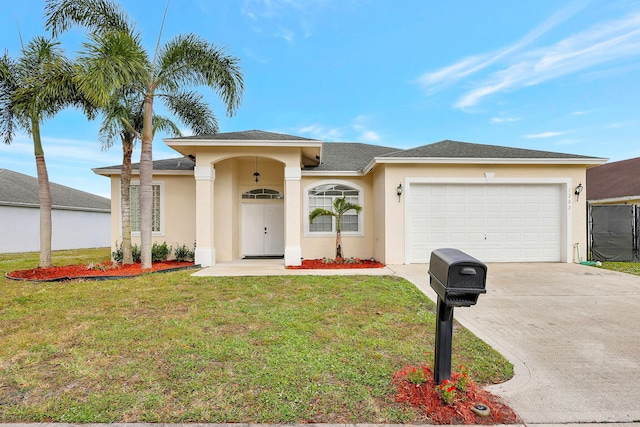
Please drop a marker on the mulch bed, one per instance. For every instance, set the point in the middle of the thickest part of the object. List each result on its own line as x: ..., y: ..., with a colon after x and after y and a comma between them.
x: 425, y: 398
x: 321, y: 264
x: 105, y: 270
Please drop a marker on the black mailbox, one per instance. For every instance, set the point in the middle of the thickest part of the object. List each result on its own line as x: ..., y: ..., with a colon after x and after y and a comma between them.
x: 457, y: 277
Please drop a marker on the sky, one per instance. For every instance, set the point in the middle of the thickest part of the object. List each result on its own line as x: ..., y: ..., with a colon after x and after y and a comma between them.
x: 548, y: 75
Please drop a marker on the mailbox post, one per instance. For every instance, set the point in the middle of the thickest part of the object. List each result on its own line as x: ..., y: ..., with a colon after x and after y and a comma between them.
x: 458, y: 279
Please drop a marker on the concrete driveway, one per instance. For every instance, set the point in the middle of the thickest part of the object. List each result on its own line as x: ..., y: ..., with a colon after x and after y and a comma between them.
x: 572, y: 333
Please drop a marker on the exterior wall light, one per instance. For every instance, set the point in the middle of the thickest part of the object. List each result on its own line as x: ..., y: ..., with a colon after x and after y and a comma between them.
x: 256, y: 174
x: 579, y: 189
x: 399, y: 191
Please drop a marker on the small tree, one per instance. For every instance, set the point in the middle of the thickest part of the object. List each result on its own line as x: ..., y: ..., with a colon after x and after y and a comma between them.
x: 340, y: 208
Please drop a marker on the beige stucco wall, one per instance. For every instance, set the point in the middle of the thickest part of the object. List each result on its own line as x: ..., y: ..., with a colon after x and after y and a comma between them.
x: 357, y: 246
x: 233, y: 178
x: 232, y: 171
x: 568, y: 175
x: 177, y: 199
x: 380, y: 214
x: 384, y: 217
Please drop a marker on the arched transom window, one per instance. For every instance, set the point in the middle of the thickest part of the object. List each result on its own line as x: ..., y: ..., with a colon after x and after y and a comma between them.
x: 263, y: 194
x: 323, y: 196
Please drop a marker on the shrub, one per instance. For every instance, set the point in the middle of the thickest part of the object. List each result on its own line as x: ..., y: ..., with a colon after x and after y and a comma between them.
x: 117, y: 255
x: 183, y: 253
x: 160, y: 252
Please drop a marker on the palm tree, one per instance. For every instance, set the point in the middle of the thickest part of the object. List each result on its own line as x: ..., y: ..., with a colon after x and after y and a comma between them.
x: 33, y: 88
x: 123, y: 120
x: 114, y: 58
x: 340, y: 208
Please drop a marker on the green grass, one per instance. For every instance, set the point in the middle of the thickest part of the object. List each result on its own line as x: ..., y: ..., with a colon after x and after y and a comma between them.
x: 175, y: 348
x: 623, y: 267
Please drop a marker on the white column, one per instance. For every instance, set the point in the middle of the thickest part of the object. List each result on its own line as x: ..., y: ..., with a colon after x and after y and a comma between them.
x: 205, y: 249
x: 292, y: 215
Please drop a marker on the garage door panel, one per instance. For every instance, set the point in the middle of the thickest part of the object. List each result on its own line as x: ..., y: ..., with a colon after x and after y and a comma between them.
x: 495, y: 223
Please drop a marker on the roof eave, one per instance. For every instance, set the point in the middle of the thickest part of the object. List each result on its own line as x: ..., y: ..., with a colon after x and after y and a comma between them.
x: 55, y: 207
x: 332, y: 173
x: 171, y: 142
x: 620, y: 199
x: 485, y: 161
x: 136, y: 172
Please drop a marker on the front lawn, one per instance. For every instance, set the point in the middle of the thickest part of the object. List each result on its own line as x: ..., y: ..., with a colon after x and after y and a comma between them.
x: 623, y: 267
x: 169, y: 347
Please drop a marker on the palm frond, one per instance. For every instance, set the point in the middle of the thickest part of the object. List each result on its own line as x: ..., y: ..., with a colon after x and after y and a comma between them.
x: 341, y: 206
x: 109, y: 62
x: 8, y: 86
x: 95, y: 15
x: 320, y: 212
x: 167, y: 125
x: 46, y: 84
x: 192, y: 111
x: 190, y: 60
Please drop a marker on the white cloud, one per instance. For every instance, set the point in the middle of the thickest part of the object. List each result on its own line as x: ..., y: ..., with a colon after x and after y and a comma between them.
x: 602, y: 43
x: 370, y: 136
x: 317, y: 131
x: 358, y: 130
x: 520, y: 65
x: 544, y: 135
x: 286, y: 34
x: 451, y: 74
x: 504, y: 119
x: 296, y: 13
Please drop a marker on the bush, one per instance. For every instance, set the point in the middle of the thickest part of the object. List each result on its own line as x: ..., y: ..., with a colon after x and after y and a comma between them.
x: 160, y: 252
x: 117, y: 255
x: 183, y: 253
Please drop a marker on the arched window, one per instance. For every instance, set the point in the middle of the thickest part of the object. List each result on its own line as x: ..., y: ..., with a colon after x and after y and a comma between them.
x: 323, y: 196
x: 262, y: 194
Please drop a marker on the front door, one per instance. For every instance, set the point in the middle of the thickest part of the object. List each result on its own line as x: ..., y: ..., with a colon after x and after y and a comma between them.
x: 263, y: 229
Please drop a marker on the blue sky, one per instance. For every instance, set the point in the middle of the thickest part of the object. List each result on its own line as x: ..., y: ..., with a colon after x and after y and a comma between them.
x: 539, y: 74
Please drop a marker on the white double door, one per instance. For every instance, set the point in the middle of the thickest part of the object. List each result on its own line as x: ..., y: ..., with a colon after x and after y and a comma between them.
x: 262, y: 229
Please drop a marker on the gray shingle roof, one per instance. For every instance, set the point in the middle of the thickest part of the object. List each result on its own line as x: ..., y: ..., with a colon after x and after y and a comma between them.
x: 247, y: 135
x: 355, y: 157
x: 613, y: 180
x: 17, y: 189
x: 348, y: 156
x: 456, y: 149
x: 176, y: 164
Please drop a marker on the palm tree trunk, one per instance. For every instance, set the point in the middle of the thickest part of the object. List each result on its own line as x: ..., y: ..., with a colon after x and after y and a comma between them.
x: 125, y: 199
x: 339, y: 245
x: 146, y: 182
x: 44, y: 194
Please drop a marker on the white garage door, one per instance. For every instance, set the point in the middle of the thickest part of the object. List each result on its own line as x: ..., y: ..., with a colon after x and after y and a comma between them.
x: 494, y: 223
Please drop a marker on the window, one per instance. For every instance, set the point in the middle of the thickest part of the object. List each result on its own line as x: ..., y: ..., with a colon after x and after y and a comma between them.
x: 263, y: 193
x: 323, y: 196
x: 134, y: 195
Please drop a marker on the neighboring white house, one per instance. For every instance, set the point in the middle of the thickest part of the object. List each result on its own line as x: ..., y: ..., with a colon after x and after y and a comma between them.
x: 79, y: 219
x: 249, y: 193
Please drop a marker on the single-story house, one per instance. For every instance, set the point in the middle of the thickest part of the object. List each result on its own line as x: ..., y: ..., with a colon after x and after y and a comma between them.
x: 613, y: 196
x: 249, y: 193
x: 78, y: 219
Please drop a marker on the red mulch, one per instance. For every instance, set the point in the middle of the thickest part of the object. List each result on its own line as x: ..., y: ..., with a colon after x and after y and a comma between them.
x: 320, y: 264
x: 425, y: 397
x: 104, y: 269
